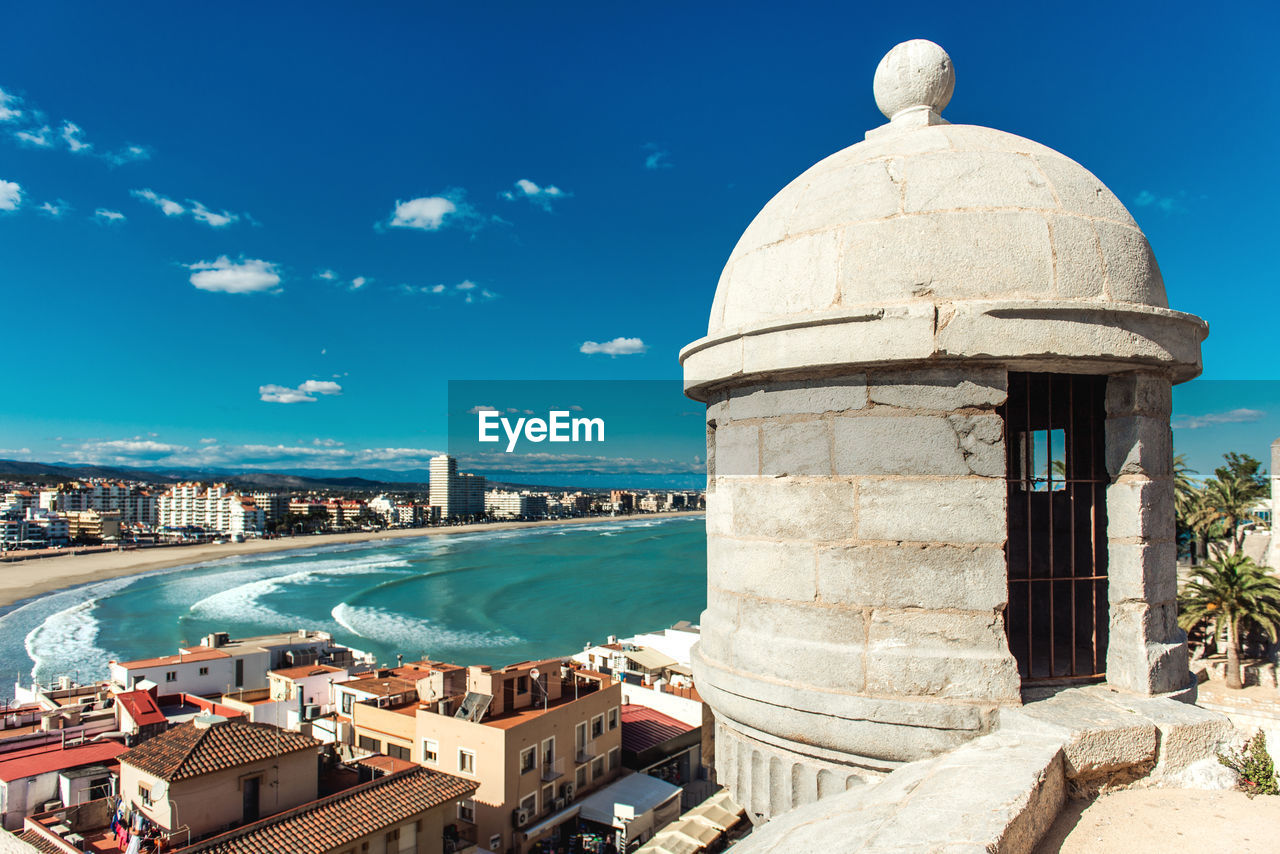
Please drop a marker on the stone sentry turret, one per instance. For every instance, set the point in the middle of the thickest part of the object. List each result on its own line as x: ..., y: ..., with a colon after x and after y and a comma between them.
x: 937, y: 375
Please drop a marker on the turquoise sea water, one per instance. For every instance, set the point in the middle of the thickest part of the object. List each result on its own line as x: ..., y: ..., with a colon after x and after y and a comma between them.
x: 490, y: 597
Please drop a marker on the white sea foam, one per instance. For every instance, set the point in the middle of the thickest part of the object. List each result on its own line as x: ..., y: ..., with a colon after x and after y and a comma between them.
x: 66, y: 641
x: 242, y: 603
x: 411, y: 634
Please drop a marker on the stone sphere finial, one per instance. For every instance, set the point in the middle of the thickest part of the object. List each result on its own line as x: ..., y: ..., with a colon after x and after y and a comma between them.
x: 915, y: 74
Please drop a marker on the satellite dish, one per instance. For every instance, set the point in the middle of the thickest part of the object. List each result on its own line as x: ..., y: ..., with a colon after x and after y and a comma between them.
x: 535, y: 673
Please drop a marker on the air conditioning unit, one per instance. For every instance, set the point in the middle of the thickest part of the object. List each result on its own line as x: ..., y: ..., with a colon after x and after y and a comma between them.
x: 567, y: 790
x: 523, y: 817
x: 310, y: 712
x: 50, y: 806
x: 560, y: 803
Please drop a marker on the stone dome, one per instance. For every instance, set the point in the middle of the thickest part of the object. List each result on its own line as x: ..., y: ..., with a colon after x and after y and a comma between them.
x: 940, y: 213
x: 930, y: 220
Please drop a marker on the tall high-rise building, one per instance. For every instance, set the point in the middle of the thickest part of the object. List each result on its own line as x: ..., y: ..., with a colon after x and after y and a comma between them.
x: 457, y: 494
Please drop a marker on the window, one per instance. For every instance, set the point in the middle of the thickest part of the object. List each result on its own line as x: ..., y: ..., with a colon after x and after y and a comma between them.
x: 144, y: 794
x: 393, y: 837
x: 370, y: 744
x: 204, y: 671
x: 615, y: 758
x: 528, y: 761
x: 580, y: 737
x: 548, y: 797
x: 467, y: 811
x: 581, y: 778
x: 466, y: 761
x: 597, y: 768
x: 171, y: 676
x: 522, y: 685
x: 597, y: 726
x: 347, y: 701
x: 529, y: 802
x: 613, y: 718
x: 430, y: 751
x: 397, y: 751
x: 549, y: 752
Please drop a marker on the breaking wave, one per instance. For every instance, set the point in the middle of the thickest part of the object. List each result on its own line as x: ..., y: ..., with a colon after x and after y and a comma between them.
x: 412, y: 634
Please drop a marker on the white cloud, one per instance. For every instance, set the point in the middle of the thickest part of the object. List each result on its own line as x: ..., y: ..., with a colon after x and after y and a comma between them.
x: 105, y: 215
x: 327, y: 275
x: 197, y: 210
x: 41, y: 137
x: 302, y: 394
x: 427, y: 213
x: 657, y: 158
x: 128, y: 154
x: 10, y: 195
x: 1232, y: 416
x: 319, y: 453
x: 476, y: 410
x: 540, y: 196
x: 71, y: 135
x: 1168, y: 204
x: 358, y: 282
x: 55, y: 209
x: 246, y: 276
x: 135, y: 447
x: 211, y: 218
x: 467, y: 289
x: 616, y: 347
x: 9, y: 107
x: 14, y: 452
x: 209, y: 441
x: 167, y: 206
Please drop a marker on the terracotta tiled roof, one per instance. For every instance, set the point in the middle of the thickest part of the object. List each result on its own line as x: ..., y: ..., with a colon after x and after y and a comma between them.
x: 189, y: 750
x: 39, y: 842
x: 141, y: 706
x: 337, y: 820
x: 643, y: 728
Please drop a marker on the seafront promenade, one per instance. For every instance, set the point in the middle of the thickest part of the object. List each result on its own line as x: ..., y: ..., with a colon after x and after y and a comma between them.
x: 25, y: 579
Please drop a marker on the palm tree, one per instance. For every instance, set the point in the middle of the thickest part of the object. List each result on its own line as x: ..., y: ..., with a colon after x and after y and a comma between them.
x: 1231, y: 593
x: 1185, y: 496
x: 1231, y: 500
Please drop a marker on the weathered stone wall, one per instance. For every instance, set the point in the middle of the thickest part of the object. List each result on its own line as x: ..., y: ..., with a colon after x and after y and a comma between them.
x: 1146, y: 652
x: 856, y: 574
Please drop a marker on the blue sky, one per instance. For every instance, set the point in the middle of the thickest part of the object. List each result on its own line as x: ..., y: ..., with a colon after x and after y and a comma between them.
x: 346, y: 208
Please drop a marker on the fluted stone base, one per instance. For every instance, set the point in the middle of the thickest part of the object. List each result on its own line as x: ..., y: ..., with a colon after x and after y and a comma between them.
x: 769, y: 777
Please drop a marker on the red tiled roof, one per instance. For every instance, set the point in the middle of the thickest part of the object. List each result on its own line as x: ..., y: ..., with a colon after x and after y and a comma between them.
x: 643, y: 728
x: 385, y: 764
x: 39, y: 842
x: 180, y: 658
x: 337, y: 820
x: 54, y: 757
x: 142, y: 707
x: 190, y: 750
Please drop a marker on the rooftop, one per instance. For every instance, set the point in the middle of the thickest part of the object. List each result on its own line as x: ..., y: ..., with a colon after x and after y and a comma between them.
x: 190, y: 749
x: 196, y: 655
x: 331, y: 822
x: 55, y: 757
x: 141, y: 706
x: 644, y: 728
x: 305, y: 670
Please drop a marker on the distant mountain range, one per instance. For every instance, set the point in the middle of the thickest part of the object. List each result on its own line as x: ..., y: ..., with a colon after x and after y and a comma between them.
x: 358, y: 480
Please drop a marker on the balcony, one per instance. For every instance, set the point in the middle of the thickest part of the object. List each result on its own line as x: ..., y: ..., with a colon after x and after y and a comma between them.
x: 460, y: 837
x: 586, y: 752
x: 553, y: 769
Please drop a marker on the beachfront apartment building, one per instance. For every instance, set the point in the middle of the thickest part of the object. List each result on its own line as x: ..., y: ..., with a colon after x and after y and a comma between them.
x: 515, y: 505
x: 457, y: 494
x: 134, y: 503
x: 213, y: 508
x: 535, y: 736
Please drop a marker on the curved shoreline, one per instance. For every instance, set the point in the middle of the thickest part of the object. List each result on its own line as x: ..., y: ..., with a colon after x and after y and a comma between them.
x: 25, y: 580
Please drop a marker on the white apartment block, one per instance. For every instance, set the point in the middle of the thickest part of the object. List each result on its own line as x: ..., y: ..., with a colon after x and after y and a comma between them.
x: 191, y: 505
x: 456, y: 494
x: 135, y: 504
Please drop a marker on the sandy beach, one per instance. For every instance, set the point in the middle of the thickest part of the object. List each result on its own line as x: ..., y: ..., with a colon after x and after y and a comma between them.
x: 26, y: 579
